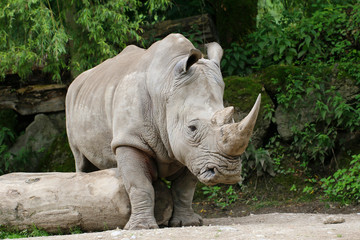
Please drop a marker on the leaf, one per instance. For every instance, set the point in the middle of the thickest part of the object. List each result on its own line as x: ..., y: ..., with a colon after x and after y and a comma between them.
x: 282, y: 48
x: 301, y: 53
x: 307, y: 40
x: 289, y: 59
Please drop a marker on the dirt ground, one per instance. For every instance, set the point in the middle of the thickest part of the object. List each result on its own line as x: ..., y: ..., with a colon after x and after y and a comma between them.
x: 279, y: 226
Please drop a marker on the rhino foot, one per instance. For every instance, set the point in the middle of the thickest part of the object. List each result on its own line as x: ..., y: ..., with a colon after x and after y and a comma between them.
x: 188, y: 218
x: 140, y: 223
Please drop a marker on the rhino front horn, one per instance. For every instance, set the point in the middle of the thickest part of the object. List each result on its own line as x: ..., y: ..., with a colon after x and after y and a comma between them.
x: 233, y: 138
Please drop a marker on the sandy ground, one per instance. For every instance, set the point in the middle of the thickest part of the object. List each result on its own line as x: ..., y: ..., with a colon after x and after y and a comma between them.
x: 279, y: 226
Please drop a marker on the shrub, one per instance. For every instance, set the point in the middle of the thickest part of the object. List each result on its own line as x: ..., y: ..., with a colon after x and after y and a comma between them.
x: 344, y: 184
x: 330, y: 35
x: 59, y: 36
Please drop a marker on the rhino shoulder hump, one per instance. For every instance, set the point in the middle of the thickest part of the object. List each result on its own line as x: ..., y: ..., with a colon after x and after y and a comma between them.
x: 131, y: 49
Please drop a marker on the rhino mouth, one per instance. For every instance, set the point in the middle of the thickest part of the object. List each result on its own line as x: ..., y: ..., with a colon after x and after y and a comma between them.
x: 211, y: 174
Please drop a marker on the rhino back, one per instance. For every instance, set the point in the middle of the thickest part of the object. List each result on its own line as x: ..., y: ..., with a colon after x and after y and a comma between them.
x: 121, y: 102
x: 90, y: 105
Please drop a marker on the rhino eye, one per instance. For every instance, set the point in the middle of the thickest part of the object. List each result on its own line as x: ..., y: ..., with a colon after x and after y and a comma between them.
x: 192, y: 128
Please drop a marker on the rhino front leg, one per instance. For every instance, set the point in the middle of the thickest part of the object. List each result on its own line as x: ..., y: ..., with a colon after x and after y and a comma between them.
x: 182, y: 190
x: 137, y: 171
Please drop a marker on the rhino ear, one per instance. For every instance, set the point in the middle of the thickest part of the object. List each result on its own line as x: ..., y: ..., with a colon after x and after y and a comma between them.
x: 214, y: 52
x: 185, y: 64
x: 194, y: 56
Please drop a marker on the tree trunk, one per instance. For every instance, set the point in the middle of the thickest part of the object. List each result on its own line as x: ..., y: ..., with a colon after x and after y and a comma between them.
x: 59, y: 201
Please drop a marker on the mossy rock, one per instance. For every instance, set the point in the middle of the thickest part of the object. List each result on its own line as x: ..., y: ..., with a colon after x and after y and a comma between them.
x: 241, y: 92
x: 274, y: 77
x: 58, y: 157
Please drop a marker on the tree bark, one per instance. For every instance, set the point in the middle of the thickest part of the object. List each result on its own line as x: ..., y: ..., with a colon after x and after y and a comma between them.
x: 59, y: 201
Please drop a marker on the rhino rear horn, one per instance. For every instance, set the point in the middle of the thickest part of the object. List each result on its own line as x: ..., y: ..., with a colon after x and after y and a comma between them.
x: 214, y: 52
x: 222, y: 116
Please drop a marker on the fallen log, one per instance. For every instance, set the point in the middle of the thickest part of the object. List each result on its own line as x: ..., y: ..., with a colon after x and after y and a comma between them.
x: 201, y: 26
x: 60, y: 201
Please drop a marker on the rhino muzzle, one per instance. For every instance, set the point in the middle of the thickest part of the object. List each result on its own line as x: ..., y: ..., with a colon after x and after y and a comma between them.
x: 233, y: 138
x: 210, y: 175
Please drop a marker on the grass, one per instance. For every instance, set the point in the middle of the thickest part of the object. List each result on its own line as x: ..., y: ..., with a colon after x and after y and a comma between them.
x: 14, y: 233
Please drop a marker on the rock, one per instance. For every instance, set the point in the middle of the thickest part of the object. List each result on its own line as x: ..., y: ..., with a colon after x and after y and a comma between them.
x: 332, y: 219
x: 274, y: 77
x: 58, y: 157
x: 344, y: 84
x: 34, y: 99
x: 38, y: 137
x: 59, y: 201
x: 286, y: 120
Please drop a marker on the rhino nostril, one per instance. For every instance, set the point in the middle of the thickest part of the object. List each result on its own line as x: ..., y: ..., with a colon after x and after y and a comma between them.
x: 192, y: 128
x: 212, y: 171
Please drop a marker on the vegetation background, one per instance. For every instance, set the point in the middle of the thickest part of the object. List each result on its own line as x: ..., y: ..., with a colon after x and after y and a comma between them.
x: 305, y: 55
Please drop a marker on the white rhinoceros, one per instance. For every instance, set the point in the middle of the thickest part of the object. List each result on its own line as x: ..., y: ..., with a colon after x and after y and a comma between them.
x: 158, y: 113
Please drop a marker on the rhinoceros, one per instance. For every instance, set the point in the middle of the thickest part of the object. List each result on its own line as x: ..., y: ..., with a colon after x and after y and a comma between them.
x: 158, y: 113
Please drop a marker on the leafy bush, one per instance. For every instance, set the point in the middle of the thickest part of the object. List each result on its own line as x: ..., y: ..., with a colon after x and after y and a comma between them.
x: 61, y: 35
x: 344, y: 184
x: 330, y: 35
x: 312, y: 95
x: 6, y: 137
x: 258, y: 160
x: 220, y: 197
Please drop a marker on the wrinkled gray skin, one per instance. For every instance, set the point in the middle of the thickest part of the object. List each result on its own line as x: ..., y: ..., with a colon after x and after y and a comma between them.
x: 157, y: 113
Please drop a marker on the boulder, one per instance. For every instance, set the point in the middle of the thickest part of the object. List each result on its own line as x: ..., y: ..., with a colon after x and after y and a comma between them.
x: 59, y: 201
x: 39, y: 136
x: 287, y: 121
x: 34, y: 99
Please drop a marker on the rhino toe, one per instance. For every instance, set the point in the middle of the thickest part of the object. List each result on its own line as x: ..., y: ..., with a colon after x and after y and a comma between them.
x: 179, y: 220
x: 140, y: 223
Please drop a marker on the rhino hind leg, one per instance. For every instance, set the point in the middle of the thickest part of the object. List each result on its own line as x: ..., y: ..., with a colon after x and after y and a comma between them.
x: 82, y: 164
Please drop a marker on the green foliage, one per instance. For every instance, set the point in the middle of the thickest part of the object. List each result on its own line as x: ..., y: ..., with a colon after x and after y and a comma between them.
x: 330, y: 35
x: 57, y: 36
x: 258, y: 160
x: 236, y: 61
x: 344, y: 184
x: 8, y: 233
x: 220, y: 197
x: 76, y: 230
x: 311, y: 54
x: 331, y: 113
x: 8, y: 119
x: 6, y: 138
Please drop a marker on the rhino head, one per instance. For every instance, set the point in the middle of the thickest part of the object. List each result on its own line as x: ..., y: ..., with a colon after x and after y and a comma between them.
x: 202, y: 133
